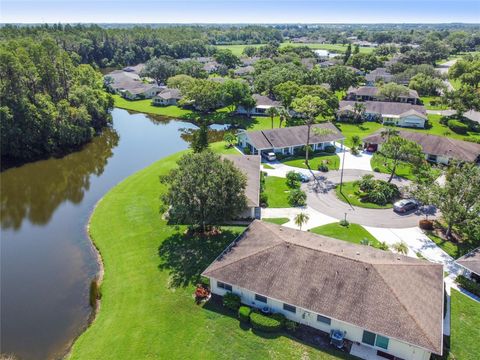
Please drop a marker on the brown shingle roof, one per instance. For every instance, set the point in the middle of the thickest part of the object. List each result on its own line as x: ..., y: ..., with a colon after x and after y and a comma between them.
x: 471, y: 261
x: 292, y: 136
x: 384, y: 107
x: 435, y: 145
x: 379, y: 73
x: 262, y: 100
x: 373, y: 91
x: 379, y: 291
x: 169, y: 93
x: 250, y: 166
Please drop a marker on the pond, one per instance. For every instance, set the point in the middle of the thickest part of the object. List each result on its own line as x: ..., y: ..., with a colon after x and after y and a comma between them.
x: 47, y: 261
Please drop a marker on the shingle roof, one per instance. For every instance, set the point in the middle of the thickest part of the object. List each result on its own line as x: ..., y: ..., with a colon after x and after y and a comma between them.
x: 384, y: 107
x: 471, y: 261
x: 262, y: 100
x: 379, y: 73
x: 292, y: 136
x: 250, y: 166
x: 169, y: 93
x: 373, y: 91
x: 435, y: 145
x: 383, y: 292
x: 130, y: 81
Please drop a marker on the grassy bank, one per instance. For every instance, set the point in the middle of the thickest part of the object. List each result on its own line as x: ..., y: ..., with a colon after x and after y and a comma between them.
x: 465, y: 333
x: 353, y: 233
x: 147, y: 310
x: 331, y: 160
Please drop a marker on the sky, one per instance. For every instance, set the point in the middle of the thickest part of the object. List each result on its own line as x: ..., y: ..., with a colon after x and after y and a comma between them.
x: 236, y: 11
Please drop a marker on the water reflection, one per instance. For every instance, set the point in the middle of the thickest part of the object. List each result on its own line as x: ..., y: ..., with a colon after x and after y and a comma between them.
x: 35, y: 190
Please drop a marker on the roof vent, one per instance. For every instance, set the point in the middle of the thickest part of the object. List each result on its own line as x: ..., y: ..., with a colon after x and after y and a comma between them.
x: 358, y: 253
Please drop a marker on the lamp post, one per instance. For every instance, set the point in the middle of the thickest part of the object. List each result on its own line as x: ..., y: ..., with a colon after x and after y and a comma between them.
x: 343, y: 164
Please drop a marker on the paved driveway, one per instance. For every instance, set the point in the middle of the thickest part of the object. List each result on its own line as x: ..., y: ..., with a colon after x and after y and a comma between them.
x: 321, y: 197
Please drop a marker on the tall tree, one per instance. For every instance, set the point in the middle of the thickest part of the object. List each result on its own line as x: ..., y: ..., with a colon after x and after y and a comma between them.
x: 286, y: 92
x: 159, y: 69
x: 227, y: 58
x: 348, y: 53
x: 272, y: 112
x: 397, y: 149
x: 204, y: 190
x: 200, y: 138
x: 392, y: 91
x: 309, y: 107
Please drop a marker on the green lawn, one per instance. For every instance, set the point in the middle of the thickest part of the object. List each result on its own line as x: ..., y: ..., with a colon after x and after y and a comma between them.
x: 403, y: 169
x: 350, y: 194
x: 333, y: 161
x: 427, y: 100
x: 353, y: 233
x: 465, y: 330
x: 147, y: 309
x: 266, y: 166
x: 221, y: 116
x: 277, y: 192
x: 455, y: 250
x: 362, y: 130
x: 278, y: 221
x: 339, y: 48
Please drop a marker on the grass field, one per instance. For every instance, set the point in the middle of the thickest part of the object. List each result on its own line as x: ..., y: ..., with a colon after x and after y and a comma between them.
x: 339, y: 48
x: 349, y: 194
x: 332, y: 161
x: 403, y: 169
x: 353, y: 233
x: 362, y: 130
x: 147, y: 309
x: 455, y: 250
x: 465, y: 332
x: 278, y: 221
x: 427, y: 102
x: 277, y: 192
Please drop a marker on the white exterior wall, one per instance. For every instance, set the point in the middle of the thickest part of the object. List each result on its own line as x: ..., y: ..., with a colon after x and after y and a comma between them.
x: 306, y: 317
x: 411, y: 121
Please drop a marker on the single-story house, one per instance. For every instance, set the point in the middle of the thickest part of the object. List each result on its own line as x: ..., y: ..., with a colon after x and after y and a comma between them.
x: 471, y: 264
x: 394, y: 113
x: 287, y: 140
x: 249, y: 61
x: 370, y: 93
x: 137, y: 69
x: 245, y: 70
x: 378, y: 74
x: 388, y: 305
x: 437, y: 149
x: 364, y: 43
x: 262, y: 103
x: 250, y: 166
x: 166, y: 97
x: 129, y: 85
x: 211, y: 66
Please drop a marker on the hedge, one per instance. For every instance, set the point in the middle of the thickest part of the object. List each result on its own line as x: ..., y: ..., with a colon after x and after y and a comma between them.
x: 266, y: 323
x: 244, y: 313
x: 468, y: 284
x: 457, y: 126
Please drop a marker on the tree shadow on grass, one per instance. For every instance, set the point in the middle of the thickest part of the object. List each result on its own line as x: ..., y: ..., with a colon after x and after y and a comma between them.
x: 186, y: 256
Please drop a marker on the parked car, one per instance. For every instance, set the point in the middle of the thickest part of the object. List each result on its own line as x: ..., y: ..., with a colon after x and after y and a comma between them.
x: 270, y: 156
x: 405, y: 205
x: 303, y: 178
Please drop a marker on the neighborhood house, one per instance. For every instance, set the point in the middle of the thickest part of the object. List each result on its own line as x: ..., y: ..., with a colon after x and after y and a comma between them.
x: 250, y: 166
x: 370, y: 93
x: 471, y: 264
x: 129, y: 85
x: 166, y: 97
x: 378, y: 74
x: 262, y: 104
x: 288, y: 140
x: 437, y: 149
x: 391, y: 113
x: 387, y: 304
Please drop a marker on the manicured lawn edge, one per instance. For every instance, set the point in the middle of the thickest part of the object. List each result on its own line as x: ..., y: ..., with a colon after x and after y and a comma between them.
x: 353, y: 233
x: 348, y: 192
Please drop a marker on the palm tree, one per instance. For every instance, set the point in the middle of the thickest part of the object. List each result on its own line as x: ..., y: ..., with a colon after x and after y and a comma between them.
x: 356, y: 143
x: 388, y: 132
x: 272, y: 112
x: 359, y: 110
x: 284, y: 115
x: 401, y: 247
x: 301, y: 219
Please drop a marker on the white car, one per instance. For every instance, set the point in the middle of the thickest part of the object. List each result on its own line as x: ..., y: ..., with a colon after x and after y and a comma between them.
x: 269, y: 156
x: 404, y: 205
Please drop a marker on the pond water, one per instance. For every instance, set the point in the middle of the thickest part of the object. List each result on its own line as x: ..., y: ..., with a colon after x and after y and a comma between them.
x: 47, y: 261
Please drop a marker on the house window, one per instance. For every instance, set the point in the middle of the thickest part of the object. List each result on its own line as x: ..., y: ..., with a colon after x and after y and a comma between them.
x: 382, y: 342
x: 260, y: 298
x: 224, y: 286
x: 324, y: 319
x: 368, y: 338
x: 290, y: 308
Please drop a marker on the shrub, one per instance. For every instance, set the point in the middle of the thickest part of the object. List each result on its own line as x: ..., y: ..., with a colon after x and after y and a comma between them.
x: 376, y: 169
x: 231, y: 301
x: 344, y: 223
x: 383, y: 246
x: 263, y: 199
x: 468, y: 284
x: 330, y: 149
x: 293, y: 180
x: 291, y: 325
x: 95, y: 293
x: 265, y: 323
x: 297, y: 197
x: 425, y: 224
x: 366, y: 183
x: 244, y: 313
x: 247, y: 151
x: 323, y: 168
x: 382, y: 193
x: 457, y: 126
